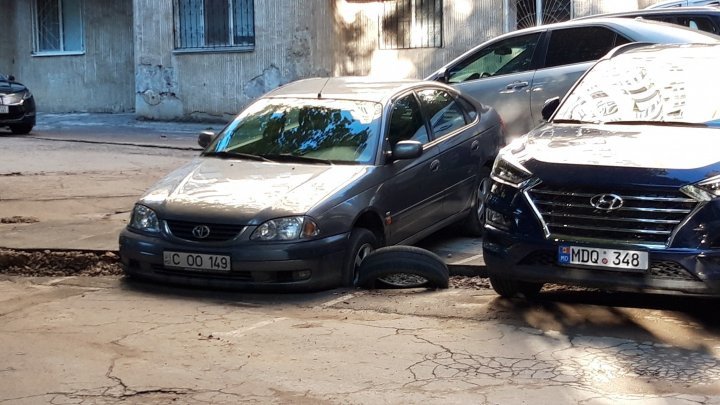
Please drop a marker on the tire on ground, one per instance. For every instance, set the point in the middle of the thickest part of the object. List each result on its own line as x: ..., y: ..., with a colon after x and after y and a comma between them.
x: 21, y: 129
x: 405, y: 260
x: 508, y: 288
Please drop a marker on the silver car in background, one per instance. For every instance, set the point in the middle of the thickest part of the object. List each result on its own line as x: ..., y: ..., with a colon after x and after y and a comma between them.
x: 515, y: 73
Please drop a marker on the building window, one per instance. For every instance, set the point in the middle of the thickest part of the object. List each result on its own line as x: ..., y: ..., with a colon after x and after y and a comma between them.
x: 58, y: 26
x: 529, y: 13
x: 411, y: 24
x: 214, y: 24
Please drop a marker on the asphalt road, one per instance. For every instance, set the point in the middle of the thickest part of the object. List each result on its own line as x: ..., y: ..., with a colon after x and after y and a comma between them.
x: 109, y: 340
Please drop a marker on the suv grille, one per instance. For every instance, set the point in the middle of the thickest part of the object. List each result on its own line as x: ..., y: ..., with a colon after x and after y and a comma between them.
x: 642, y: 218
x: 218, y: 232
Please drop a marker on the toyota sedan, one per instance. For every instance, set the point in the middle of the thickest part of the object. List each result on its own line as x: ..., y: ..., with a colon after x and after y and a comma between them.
x: 311, y: 178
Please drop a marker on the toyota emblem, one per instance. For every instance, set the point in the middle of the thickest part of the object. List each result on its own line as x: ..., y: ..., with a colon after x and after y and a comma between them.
x: 606, y: 202
x: 201, y: 231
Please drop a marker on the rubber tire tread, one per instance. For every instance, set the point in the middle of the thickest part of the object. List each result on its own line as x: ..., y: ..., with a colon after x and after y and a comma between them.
x: 21, y: 129
x: 508, y: 288
x: 358, y: 237
x: 403, y: 259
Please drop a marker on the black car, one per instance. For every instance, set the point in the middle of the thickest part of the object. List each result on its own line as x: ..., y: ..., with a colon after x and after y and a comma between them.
x: 17, y: 106
x: 620, y: 189
x: 312, y: 177
x: 700, y: 18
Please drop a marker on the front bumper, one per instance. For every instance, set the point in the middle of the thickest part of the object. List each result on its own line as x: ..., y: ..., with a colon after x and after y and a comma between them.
x: 23, y: 114
x: 686, y: 271
x: 255, y: 266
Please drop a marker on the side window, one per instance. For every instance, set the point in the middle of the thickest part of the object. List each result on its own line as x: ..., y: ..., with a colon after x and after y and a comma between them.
x: 511, y: 55
x: 698, y: 23
x: 406, y: 121
x: 444, y: 113
x: 584, y: 44
x: 469, y: 108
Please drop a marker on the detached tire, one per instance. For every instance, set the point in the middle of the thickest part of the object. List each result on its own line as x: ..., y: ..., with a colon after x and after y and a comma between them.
x: 362, y: 243
x: 508, y: 288
x: 403, y: 267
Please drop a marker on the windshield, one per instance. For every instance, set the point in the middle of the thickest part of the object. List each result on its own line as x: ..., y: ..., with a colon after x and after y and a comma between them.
x: 676, y: 85
x: 341, y: 131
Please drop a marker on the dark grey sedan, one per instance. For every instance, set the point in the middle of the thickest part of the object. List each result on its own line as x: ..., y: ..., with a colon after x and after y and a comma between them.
x: 311, y: 178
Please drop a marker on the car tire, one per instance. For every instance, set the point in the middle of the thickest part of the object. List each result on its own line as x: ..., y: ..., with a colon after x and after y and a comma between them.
x: 508, y: 288
x: 403, y: 267
x: 474, y: 224
x: 21, y: 129
x: 362, y: 243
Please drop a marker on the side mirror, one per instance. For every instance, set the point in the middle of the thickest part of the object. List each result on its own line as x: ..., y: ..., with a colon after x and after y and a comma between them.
x: 407, y: 150
x: 549, y: 107
x: 11, y: 78
x: 205, y: 138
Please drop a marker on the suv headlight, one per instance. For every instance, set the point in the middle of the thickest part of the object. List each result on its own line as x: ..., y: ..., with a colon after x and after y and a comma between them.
x: 26, y: 95
x: 510, y: 173
x: 705, y: 190
x: 144, y: 219
x: 289, y: 228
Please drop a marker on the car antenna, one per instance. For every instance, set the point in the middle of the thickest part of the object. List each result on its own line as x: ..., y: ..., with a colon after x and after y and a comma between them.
x: 323, y: 87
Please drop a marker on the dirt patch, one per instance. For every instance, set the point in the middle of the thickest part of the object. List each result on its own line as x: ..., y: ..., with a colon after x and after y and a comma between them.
x: 476, y: 282
x: 18, y: 220
x: 57, y: 263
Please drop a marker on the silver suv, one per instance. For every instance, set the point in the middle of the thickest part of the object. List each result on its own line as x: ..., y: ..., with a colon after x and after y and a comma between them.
x: 518, y: 71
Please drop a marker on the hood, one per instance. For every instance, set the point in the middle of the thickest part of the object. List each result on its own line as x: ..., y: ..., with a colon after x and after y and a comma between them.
x: 635, y: 146
x: 11, y: 87
x: 246, y: 191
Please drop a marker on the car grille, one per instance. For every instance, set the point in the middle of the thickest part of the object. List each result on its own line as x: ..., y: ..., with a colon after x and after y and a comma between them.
x: 657, y: 269
x: 218, y: 232
x: 14, y: 112
x: 643, y: 218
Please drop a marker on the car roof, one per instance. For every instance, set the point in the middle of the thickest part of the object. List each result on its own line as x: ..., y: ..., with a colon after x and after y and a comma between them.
x: 351, y: 88
x: 682, y: 3
x: 704, y: 10
x: 678, y: 49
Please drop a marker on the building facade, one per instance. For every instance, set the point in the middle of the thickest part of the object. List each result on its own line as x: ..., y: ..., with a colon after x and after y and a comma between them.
x: 206, y: 59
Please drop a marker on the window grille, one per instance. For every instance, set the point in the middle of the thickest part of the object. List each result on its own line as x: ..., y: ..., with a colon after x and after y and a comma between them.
x: 58, y: 26
x: 214, y: 24
x: 411, y: 24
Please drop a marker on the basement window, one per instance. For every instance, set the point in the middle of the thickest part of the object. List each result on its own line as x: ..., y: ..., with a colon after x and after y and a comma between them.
x: 408, y: 24
x: 214, y: 25
x: 58, y: 28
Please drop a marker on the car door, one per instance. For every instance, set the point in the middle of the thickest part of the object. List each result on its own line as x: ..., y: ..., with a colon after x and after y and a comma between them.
x: 500, y: 75
x: 412, y: 194
x: 570, y: 52
x: 460, y: 148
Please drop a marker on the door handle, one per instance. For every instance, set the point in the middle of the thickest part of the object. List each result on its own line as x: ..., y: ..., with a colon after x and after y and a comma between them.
x: 475, y: 145
x: 434, y: 165
x: 516, y: 85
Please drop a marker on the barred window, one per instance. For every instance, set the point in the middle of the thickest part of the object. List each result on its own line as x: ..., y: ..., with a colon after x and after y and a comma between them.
x: 214, y: 24
x: 58, y: 26
x: 411, y: 24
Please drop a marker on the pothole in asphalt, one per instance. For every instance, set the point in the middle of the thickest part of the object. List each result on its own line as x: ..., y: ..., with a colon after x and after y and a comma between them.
x: 59, y: 263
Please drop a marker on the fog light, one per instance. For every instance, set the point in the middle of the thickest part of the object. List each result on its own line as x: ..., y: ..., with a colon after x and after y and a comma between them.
x: 497, y: 219
x: 301, y: 275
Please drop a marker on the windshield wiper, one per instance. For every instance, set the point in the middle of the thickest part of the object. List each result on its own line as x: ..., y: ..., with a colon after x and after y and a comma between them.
x: 286, y: 157
x: 661, y: 123
x: 236, y: 155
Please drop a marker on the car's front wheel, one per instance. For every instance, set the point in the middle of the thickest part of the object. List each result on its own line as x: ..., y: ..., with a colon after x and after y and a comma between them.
x: 21, y: 129
x: 475, y: 221
x: 508, y: 288
x: 362, y: 243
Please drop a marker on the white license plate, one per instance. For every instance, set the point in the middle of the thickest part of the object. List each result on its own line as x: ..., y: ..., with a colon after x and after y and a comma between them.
x: 196, y: 261
x: 4, y: 109
x: 607, y: 258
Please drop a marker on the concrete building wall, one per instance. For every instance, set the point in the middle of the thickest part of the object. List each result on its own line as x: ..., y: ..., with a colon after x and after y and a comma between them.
x: 7, y: 42
x: 293, y: 39
x: 466, y: 23
x: 100, y: 80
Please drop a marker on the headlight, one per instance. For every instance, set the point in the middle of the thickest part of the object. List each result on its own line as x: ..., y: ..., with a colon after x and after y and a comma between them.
x: 144, y: 219
x: 510, y: 173
x: 289, y: 228
x: 26, y: 95
x: 705, y: 190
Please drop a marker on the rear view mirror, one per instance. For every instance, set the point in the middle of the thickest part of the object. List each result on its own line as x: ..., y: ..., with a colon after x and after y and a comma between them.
x: 503, y: 50
x: 205, y: 138
x: 549, y: 107
x: 407, y: 150
x: 11, y: 78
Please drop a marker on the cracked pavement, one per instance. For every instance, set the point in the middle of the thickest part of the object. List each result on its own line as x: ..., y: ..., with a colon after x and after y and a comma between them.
x: 107, y: 340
